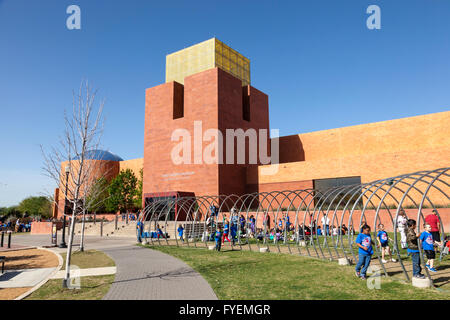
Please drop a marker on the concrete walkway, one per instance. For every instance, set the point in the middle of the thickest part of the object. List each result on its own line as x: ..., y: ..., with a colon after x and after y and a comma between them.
x: 24, y: 278
x: 86, y: 272
x: 146, y: 274
x: 142, y: 274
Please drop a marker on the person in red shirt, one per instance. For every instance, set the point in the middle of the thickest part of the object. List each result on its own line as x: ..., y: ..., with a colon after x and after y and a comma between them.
x: 433, y: 221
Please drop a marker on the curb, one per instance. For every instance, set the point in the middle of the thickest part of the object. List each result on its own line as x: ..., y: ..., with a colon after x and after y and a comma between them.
x: 40, y: 284
x: 19, y: 249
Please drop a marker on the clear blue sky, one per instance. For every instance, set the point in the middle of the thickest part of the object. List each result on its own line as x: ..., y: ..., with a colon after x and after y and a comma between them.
x: 320, y: 65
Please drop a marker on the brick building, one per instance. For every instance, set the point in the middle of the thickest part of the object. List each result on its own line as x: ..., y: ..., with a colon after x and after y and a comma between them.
x: 208, y: 88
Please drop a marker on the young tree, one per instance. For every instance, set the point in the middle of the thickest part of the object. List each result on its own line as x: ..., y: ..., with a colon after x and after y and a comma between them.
x: 96, y: 198
x: 83, y: 129
x: 122, y: 192
x: 139, y: 190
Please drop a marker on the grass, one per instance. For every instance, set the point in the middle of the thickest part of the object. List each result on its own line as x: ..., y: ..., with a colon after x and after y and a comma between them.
x: 89, y: 259
x: 252, y: 275
x: 92, y: 288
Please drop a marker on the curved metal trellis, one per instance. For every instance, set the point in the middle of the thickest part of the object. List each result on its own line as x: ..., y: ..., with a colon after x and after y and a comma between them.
x: 317, y: 223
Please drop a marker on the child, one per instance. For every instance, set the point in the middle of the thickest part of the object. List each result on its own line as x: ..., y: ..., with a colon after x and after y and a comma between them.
x: 160, y: 233
x: 364, y: 242
x: 280, y: 223
x: 226, y: 230
x: 383, y: 242
x: 446, y: 245
x: 428, y: 246
x: 278, y: 235
x: 218, y: 238
x: 319, y: 231
x: 413, y: 248
x: 233, y: 231
x: 335, y: 231
x: 180, y: 232
x: 288, y: 222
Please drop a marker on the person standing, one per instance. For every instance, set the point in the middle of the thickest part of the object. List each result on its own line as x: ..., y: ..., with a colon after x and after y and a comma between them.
x: 401, y: 225
x: 226, y: 230
x: 180, y: 232
x: 17, y: 225
x: 433, y: 220
x: 140, y: 229
x: 218, y: 238
x: 413, y: 248
x: 365, y: 252
x: 326, y: 225
x: 383, y: 242
x: 233, y: 232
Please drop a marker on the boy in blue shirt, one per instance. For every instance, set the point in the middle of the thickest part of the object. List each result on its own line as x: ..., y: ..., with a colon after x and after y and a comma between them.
x: 180, y: 232
x: 428, y: 246
x: 319, y: 231
x: 383, y: 242
x: 218, y: 238
x: 364, y: 242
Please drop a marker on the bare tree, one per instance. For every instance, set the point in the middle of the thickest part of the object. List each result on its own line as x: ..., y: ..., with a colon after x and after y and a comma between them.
x: 82, y: 135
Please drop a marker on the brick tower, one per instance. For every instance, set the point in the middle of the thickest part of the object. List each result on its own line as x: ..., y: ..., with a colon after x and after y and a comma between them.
x: 215, y: 98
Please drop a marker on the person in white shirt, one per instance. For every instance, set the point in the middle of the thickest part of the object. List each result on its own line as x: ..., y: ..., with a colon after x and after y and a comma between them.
x: 401, y: 225
x: 335, y: 231
x: 326, y: 225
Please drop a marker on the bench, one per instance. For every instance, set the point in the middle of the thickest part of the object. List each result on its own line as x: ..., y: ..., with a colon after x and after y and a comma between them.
x: 2, y: 260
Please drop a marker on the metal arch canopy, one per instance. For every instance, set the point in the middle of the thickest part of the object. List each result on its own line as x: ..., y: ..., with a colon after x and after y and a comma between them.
x: 414, y: 191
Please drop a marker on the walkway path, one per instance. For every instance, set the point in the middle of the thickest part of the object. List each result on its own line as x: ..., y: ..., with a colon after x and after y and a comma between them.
x: 148, y: 274
x: 86, y: 272
x: 142, y: 273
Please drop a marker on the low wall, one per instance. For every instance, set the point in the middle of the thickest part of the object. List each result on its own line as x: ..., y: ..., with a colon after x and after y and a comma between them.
x: 44, y: 227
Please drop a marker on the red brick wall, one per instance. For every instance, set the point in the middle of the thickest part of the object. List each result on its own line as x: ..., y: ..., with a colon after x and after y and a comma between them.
x: 369, y: 217
x: 44, y: 227
x: 215, y: 98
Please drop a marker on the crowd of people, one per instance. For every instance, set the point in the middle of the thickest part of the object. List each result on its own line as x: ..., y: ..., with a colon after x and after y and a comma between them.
x: 430, y: 242
x: 19, y: 225
x: 228, y: 229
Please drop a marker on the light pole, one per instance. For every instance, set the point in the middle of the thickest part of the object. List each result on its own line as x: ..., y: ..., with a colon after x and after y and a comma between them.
x: 63, y: 239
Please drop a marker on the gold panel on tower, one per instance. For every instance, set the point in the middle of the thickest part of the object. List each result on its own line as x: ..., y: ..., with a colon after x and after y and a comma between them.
x: 206, y: 55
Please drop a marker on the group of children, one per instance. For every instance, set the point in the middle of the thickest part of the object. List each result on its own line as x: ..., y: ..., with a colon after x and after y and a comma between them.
x: 365, y: 251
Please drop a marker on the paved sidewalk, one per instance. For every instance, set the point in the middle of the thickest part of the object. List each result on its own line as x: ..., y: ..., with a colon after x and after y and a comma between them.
x: 86, y: 272
x: 142, y: 274
x: 146, y: 274
x: 24, y: 278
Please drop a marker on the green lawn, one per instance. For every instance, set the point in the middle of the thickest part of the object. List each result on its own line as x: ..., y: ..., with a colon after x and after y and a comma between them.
x: 253, y: 275
x: 92, y: 288
x: 88, y: 259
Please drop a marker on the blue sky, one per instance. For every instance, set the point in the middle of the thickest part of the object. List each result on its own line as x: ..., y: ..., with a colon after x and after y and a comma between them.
x: 320, y: 65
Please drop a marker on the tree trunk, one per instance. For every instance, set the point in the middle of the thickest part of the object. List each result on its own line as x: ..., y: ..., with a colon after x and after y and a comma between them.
x: 82, y: 232
x: 69, y: 247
